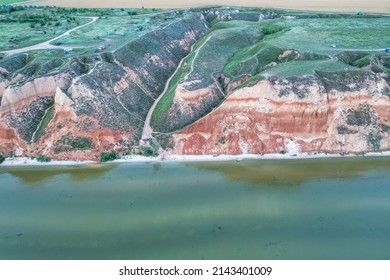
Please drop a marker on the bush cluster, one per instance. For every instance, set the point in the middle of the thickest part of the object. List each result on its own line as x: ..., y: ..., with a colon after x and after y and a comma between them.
x: 81, y: 143
x: 42, y: 158
x: 108, y: 156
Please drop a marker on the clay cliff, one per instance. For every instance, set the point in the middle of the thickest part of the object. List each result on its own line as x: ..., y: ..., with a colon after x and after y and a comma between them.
x: 93, y: 103
x: 217, y: 73
x: 295, y: 115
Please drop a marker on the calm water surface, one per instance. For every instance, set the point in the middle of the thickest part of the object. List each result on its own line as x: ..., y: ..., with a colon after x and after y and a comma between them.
x: 284, y: 209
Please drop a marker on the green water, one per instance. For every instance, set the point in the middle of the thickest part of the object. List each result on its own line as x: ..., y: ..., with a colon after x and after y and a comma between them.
x: 285, y: 209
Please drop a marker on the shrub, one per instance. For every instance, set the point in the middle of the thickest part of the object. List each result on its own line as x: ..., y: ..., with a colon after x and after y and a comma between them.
x: 150, y: 151
x: 223, y: 140
x: 2, y: 159
x: 42, y: 158
x: 282, y: 152
x: 385, y: 128
x: 342, y: 129
x: 108, y: 156
x: 271, y: 28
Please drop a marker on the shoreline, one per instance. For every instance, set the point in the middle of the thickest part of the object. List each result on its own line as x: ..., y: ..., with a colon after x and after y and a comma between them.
x: 27, y: 162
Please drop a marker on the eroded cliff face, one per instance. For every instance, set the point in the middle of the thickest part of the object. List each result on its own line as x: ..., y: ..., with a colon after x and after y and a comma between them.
x: 235, y: 93
x: 307, y: 114
x: 94, y: 103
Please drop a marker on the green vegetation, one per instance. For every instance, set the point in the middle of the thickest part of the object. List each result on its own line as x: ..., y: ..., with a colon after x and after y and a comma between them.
x: 108, y: 156
x: 10, y: 2
x: 301, y: 68
x: 81, y: 143
x: 11, y: 154
x: 151, y: 150
x: 279, y: 47
x: 25, y: 28
x: 223, y: 140
x: 342, y: 129
x: 165, y: 140
x: 2, y: 159
x: 271, y: 28
x: 362, y: 116
x: 374, y: 140
x: 317, y: 35
x: 42, y: 158
x: 68, y: 143
x: 43, y: 124
x: 222, y: 40
x: 385, y: 128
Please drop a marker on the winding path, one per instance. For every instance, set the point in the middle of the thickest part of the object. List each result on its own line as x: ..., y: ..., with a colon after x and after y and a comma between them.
x: 147, y: 130
x: 46, y: 44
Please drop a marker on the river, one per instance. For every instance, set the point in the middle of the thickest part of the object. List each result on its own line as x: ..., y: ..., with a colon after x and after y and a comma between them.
x: 262, y: 209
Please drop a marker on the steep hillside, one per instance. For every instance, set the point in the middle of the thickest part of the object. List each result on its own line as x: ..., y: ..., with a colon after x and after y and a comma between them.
x: 93, y: 103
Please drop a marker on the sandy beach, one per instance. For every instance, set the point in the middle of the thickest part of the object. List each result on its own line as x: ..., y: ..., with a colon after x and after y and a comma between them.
x: 24, y: 161
x: 374, y: 6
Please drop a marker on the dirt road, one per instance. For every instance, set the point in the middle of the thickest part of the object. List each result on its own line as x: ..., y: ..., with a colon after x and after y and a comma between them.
x: 47, y: 45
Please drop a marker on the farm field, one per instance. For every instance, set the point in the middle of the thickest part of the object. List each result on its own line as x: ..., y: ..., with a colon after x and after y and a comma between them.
x: 378, y: 6
x: 10, y: 1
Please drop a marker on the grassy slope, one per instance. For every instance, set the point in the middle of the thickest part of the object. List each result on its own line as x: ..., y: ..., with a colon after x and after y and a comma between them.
x: 312, y: 37
x: 10, y: 1
x: 215, y: 48
x: 44, y: 123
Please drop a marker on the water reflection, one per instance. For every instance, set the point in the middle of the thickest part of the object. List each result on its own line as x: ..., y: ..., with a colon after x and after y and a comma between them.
x: 294, y: 171
x: 39, y: 174
x: 191, y: 211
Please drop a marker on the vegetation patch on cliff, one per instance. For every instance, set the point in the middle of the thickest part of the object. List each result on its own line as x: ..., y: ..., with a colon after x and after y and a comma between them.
x: 43, y: 124
x: 342, y: 129
x: 69, y: 142
x: 27, y: 121
x: 364, y: 115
